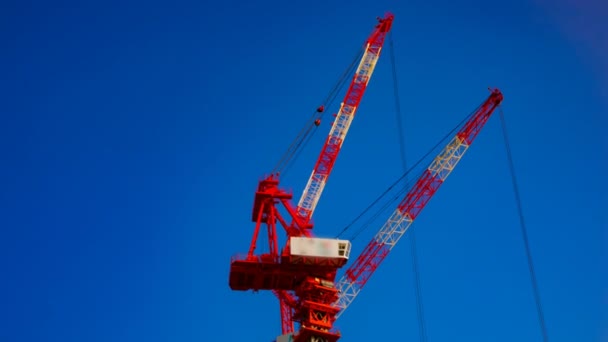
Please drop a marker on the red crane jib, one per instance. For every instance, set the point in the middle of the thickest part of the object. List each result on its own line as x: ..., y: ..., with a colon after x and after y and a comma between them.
x: 333, y: 143
x: 357, y: 275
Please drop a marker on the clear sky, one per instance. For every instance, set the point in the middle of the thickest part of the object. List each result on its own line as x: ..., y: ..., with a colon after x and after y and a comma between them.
x: 134, y: 133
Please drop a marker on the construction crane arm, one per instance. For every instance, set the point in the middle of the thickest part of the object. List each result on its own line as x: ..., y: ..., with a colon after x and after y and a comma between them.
x: 357, y: 275
x: 341, y: 124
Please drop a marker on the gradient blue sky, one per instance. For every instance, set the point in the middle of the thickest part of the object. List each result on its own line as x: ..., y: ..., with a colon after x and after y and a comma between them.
x: 133, y: 135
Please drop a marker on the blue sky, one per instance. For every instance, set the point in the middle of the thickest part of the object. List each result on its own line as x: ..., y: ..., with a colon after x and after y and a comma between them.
x: 134, y: 134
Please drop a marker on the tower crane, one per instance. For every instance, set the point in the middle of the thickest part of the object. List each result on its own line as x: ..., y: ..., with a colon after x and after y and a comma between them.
x: 302, y: 275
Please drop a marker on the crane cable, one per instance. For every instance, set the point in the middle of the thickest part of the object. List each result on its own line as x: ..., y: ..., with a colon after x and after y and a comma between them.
x: 308, y: 130
x: 407, y: 186
x: 414, y: 254
x: 524, y: 232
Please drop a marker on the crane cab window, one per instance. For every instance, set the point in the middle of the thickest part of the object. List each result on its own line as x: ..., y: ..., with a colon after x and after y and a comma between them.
x: 343, y: 249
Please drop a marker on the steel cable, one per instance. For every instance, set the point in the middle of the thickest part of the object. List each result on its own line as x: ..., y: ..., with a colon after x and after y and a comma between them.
x: 524, y: 232
x: 412, y: 233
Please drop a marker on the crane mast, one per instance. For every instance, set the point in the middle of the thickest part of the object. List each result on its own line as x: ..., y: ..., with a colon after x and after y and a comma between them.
x: 357, y: 275
x: 329, y: 152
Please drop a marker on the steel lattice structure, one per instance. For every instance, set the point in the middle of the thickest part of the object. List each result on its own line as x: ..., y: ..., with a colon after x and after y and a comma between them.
x: 425, y: 187
x: 302, y: 275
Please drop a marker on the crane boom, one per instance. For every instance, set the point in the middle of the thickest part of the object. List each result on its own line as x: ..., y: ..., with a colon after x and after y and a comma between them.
x: 333, y: 143
x: 357, y: 275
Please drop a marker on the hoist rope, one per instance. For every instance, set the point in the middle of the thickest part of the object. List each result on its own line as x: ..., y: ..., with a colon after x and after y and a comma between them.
x: 388, y: 205
x: 401, y: 132
x: 306, y: 133
x: 524, y: 232
x: 410, y: 183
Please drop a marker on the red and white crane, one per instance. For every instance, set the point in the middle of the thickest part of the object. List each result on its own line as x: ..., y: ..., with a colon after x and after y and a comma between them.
x: 354, y: 94
x: 414, y: 201
x: 302, y: 275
